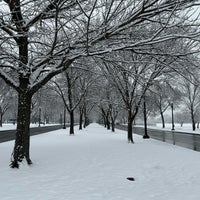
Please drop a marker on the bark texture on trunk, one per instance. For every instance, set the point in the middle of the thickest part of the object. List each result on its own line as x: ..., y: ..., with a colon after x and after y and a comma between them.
x: 22, y: 140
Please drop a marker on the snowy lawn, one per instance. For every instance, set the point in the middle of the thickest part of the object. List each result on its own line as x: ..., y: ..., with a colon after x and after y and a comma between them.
x: 12, y: 127
x: 94, y: 165
x: 8, y: 127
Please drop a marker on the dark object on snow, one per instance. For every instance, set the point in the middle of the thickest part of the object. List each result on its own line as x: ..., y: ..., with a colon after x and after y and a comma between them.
x: 130, y: 179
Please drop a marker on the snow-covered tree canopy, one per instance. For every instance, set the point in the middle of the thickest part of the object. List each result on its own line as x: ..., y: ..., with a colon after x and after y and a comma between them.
x: 39, y: 39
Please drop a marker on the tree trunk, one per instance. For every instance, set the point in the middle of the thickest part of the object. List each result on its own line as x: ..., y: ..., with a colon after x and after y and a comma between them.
x: 81, y: 121
x: 1, y: 119
x: 162, y: 118
x: 22, y: 140
x: 181, y: 124
x: 193, y: 120
x: 193, y: 126
x: 86, y: 120
x: 71, y: 130
x: 130, y: 129
x: 39, y: 118
x: 84, y: 125
x: 145, y: 136
x: 107, y: 123
x: 64, y: 118
x: 130, y: 132
x: 113, y: 125
x: 104, y: 121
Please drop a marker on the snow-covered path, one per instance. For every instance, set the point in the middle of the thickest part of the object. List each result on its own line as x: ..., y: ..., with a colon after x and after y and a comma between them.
x: 94, y: 165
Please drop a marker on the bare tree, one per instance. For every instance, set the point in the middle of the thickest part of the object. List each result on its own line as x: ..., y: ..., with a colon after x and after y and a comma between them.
x: 191, y: 94
x: 104, y: 104
x: 182, y: 117
x: 110, y: 103
x: 115, y: 108
x: 85, y: 107
x: 85, y: 84
x: 164, y: 93
x: 72, y: 88
x: 45, y: 106
x: 132, y: 75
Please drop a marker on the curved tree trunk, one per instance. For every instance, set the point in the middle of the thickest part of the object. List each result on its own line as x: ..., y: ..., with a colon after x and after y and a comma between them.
x: 22, y: 140
x: 162, y: 118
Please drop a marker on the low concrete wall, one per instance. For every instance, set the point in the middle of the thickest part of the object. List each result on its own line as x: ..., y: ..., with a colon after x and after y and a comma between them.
x: 187, y: 140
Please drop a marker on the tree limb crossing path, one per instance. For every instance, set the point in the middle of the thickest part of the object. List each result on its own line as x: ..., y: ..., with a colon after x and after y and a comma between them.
x: 8, y: 135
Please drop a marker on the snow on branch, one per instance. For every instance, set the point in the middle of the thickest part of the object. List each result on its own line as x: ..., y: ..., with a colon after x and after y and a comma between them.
x: 8, y: 79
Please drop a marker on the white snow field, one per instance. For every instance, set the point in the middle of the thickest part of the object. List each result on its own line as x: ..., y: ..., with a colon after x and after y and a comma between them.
x: 12, y: 127
x: 94, y: 165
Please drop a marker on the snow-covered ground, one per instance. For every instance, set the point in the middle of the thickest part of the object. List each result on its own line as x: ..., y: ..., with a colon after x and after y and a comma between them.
x: 7, y: 127
x: 94, y: 165
x: 11, y: 126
